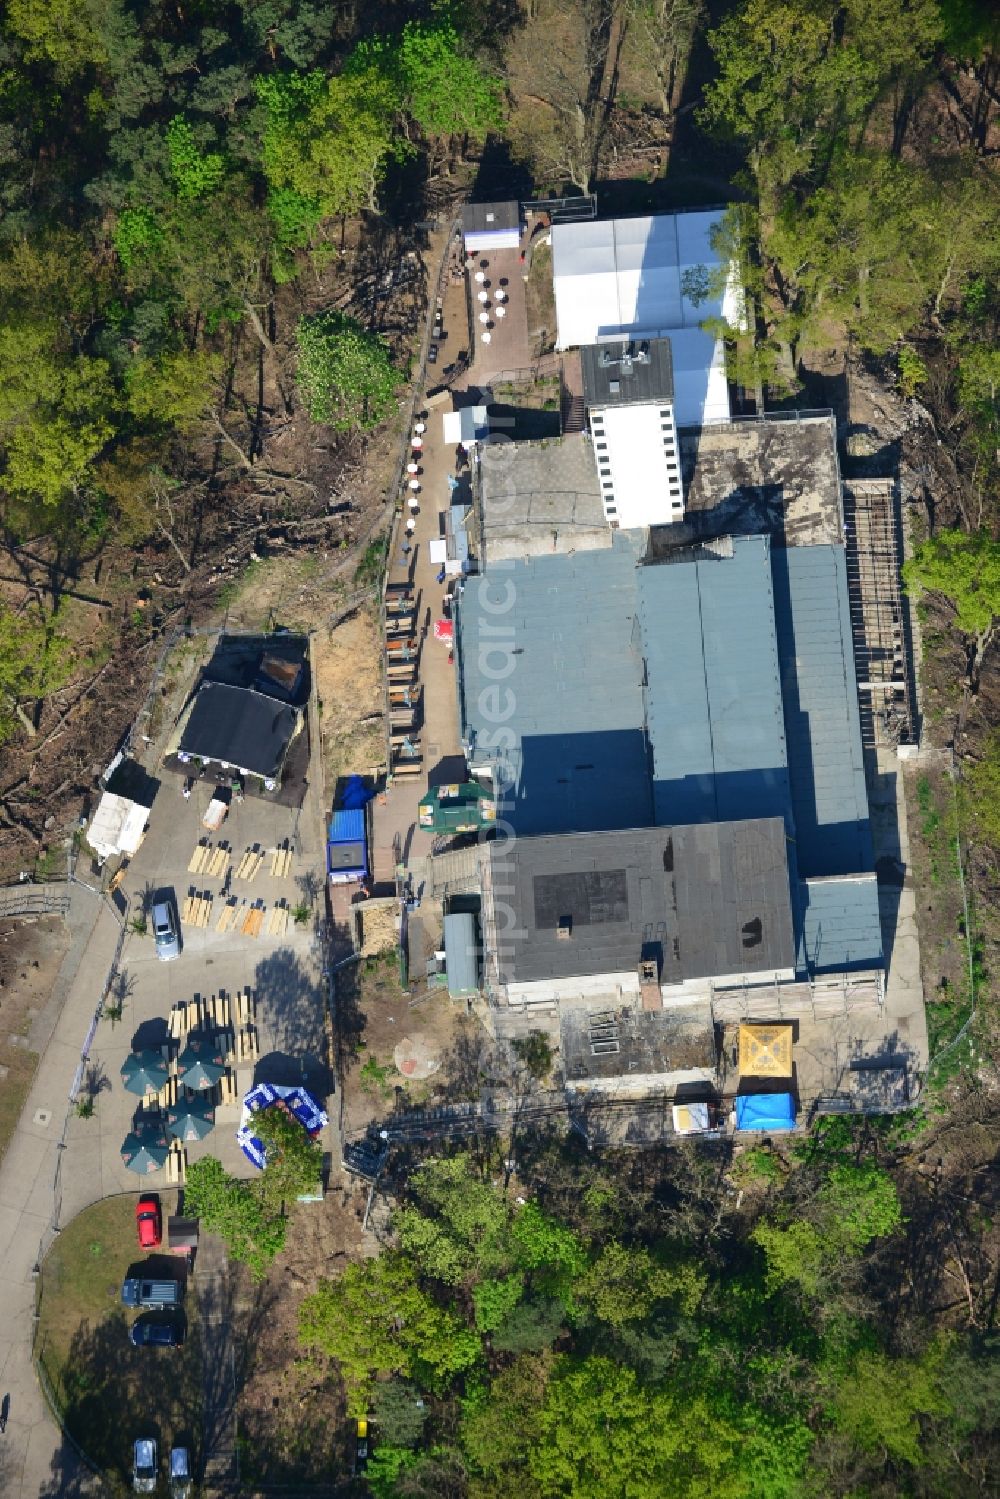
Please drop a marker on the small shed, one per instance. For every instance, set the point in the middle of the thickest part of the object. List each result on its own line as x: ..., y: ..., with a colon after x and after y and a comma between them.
x: 468, y: 426
x: 461, y: 954
x: 347, y: 846
x: 491, y: 226
x: 770, y: 1113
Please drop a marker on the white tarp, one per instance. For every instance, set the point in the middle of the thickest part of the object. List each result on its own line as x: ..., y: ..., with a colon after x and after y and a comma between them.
x: 117, y: 827
x: 648, y: 277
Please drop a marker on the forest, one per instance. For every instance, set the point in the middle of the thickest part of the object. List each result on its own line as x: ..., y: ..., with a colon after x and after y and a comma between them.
x: 201, y: 203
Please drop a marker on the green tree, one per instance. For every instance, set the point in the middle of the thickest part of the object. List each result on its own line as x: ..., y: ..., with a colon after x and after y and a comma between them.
x: 880, y: 1400
x: 233, y: 1209
x: 535, y: 1053
x: 294, y: 1161
x: 441, y: 88
x: 964, y: 566
x: 34, y: 660
x: 173, y: 390
x: 376, y: 1320
x: 495, y: 1300
x: 859, y: 1203
x: 624, y: 1284
x: 400, y: 1412
x: 345, y: 375
x: 196, y: 173
x: 70, y: 35
x: 794, y: 1253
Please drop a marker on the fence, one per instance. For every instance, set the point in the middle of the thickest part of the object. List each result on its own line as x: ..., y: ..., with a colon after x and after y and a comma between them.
x: 31, y: 900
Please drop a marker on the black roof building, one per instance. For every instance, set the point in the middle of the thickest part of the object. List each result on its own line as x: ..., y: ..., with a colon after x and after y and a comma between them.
x: 627, y: 372
x: 708, y: 900
x: 239, y: 727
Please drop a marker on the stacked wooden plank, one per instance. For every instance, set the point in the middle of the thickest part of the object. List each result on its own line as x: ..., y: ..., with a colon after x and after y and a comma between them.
x: 197, y: 909
x: 246, y: 1006
x: 249, y: 866
x: 176, y: 1164
x: 281, y: 862
x: 200, y: 856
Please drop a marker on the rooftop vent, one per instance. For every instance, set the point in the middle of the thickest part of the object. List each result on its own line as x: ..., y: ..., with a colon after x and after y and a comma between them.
x: 753, y: 932
x: 565, y: 928
x: 615, y: 387
x: 490, y: 217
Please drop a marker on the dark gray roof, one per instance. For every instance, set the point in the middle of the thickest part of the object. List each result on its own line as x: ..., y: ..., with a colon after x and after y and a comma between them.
x: 461, y: 953
x: 713, y: 693
x: 840, y: 928
x: 822, y: 720
x: 706, y: 901
x: 630, y: 1042
x: 239, y: 727
x: 624, y: 372
x: 579, y: 759
x: 484, y: 218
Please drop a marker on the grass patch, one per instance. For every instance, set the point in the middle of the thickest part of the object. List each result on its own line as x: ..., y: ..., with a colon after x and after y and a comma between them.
x: 109, y: 1392
x: 369, y: 570
x: 20, y: 1066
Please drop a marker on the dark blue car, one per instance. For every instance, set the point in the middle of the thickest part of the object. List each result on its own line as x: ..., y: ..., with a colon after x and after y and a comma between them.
x: 156, y: 1332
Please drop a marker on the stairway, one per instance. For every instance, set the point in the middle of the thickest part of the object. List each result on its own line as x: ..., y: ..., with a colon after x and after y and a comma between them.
x: 575, y: 414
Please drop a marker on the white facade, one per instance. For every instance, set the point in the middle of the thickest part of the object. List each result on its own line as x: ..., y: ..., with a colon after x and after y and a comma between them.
x: 649, y: 278
x: 638, y: 464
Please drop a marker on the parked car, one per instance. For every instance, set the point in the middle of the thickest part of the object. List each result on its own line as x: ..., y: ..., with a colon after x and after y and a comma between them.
x: 149, y: 1223
x: 156, y: 1332
x: 137, y: 1292
x: 166, y: 928
x: 361, y: 1448
x: 144, y: 1466
x: 180, y: 1473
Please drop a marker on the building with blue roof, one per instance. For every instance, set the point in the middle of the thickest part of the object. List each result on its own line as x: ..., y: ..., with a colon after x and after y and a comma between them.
x: 715, y: 685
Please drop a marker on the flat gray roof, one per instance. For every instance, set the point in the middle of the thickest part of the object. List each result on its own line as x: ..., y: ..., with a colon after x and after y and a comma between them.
x: 749, y: 478
x: 822, y: 719
x: 713, y: 692
x: 572, y: 691
x: 840, y: 928
x: 541, y: 497
x: 706, y: 901
x: 628, y: 1042
x: 626, y: 372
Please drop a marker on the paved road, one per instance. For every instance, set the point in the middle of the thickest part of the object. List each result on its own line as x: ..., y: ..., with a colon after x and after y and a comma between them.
x: 214, y: 1288
x: 34, y: 1458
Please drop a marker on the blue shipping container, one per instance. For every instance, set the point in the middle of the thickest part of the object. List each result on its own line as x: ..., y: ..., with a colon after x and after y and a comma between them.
x: 347, y: 845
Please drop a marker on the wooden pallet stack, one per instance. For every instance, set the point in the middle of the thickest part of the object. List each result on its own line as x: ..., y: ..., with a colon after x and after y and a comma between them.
x: 281, y: 862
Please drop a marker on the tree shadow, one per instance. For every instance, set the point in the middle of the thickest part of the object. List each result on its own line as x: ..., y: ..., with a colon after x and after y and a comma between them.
x: 291, y: 1016
x: 112, y: 1394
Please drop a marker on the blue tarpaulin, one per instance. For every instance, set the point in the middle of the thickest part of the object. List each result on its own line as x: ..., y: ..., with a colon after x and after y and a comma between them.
x: 770, y: 1112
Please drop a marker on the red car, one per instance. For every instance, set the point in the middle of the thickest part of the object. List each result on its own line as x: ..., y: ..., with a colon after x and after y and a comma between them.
x: 149, y: 1223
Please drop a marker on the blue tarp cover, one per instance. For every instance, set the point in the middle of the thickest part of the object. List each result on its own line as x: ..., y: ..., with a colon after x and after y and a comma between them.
x: 298, y: 1102
x: 765, y: 1111
x: 356, y: 793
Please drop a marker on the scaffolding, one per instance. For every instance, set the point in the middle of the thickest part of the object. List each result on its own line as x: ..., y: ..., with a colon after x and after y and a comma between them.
x: 880, y: 628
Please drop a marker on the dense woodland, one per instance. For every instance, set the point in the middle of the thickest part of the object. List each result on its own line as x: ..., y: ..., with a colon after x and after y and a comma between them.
x: 192, y: 197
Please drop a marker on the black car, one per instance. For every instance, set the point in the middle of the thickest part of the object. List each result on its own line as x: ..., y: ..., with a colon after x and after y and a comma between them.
x: 156, y: 1332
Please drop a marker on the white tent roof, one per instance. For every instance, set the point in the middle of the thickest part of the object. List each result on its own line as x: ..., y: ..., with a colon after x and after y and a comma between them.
x: 117, y: 827
x: 634, y: 276
x: 469, y: 425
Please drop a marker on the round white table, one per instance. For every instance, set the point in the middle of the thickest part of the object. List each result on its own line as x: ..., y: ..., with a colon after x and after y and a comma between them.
x: 480, y: 276
x: 484, y: 317
x: 487, y: 337
x: 501, y: 312
x: 484, y: 296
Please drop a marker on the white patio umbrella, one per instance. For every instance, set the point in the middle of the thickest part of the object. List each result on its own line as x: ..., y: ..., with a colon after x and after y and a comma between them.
x: 413, y: 468
x: 487, y: 337
x: 480, y: 276
x: 414, y: 484
x: 501, y: 312
x: 420, y: 428
x: 484, y: 317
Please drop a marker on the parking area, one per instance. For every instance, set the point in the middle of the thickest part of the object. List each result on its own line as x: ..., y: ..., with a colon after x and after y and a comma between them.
x: 249, y: 978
